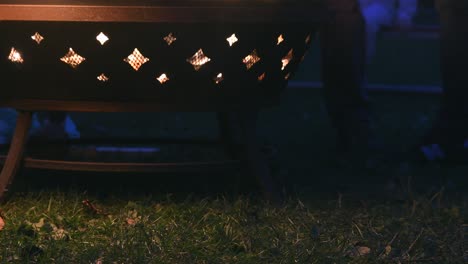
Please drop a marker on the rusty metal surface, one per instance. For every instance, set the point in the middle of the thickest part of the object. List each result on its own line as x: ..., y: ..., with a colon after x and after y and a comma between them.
x: 162, y: 11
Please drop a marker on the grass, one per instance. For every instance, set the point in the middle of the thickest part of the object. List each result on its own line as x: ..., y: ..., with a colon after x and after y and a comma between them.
x: 336, y: 214
x: 55, y: 227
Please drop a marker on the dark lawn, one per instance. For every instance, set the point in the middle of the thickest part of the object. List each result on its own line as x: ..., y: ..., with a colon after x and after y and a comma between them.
x: 337, y: 213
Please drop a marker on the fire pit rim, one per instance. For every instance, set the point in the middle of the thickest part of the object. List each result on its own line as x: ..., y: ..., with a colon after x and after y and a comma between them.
x: 151, y: 12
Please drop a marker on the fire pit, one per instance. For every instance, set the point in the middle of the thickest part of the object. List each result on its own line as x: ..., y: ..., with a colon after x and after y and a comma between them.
x: 130, y: 56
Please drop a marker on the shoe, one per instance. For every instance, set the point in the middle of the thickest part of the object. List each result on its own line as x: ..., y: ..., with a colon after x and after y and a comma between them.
x: 437, y: 153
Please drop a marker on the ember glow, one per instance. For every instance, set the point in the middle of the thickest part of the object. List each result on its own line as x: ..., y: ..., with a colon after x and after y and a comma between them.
x: 232, y: 39
x: 136, y: 59
x: 198, y: 59
x: 163, y: 78
x: 102, y: 38
x: 103, y: 78
x: 170, y: 39
x: 261, y: 77
x: 287, y: 59
x: 15, y: 56
x: 37, y: 37
x: 219, y: 78
x: 251, y: 59
x: 72, y: 58
x: 280, y: 39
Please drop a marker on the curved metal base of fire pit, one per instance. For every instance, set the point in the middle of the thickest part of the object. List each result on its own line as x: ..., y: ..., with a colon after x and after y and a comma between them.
x: 237, y: 134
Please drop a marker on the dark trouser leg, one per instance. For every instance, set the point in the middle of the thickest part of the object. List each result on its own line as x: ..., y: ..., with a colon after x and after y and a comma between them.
x: 343, y: 62
x: 452, y: 127
x: 239, y: 132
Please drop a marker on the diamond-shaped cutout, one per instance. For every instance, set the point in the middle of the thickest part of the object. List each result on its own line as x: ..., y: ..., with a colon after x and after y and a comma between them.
x: 308, y: 39
x: 287, y: 59
x: 102, y: 38
x: 198, y: 59
x: 170, y: 39
x: 280, y: 39
x: 163, y: 78
x: 103, y: 78
x: 262, y: 77
x: 15, y: 56
x: 304, y: 56
x: 37, y: 37
x: 232, y: 39
x: 251, y: 59
x: 72, y: 58
x: 136, y: 59
x: 219, y: 78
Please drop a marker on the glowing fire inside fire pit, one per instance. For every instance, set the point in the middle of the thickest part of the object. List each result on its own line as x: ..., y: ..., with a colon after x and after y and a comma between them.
x: 198, y: 59
x: 15, y: 56
x: 102, y: 38
x: 163, y: 78
x: 232, y: 39
x: 136, y: 59
x: 170, y: 39
x: 72, y: 58
x: 219, y: 78
x: 251, y: 59
x: 103, y: 78
x: 37, y: 37
x: 285, y: 61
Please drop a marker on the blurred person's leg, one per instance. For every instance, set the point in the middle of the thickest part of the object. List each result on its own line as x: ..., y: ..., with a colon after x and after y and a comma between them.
x: 56, y: 125
x: 375, y: 16
x: 451, y: 128
x: 343, y: 60
x: 445, y: 141
x: 45, y: 124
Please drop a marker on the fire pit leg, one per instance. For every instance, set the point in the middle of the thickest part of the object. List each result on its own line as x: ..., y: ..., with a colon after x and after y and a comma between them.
x: 15, y: 153
x: 227, y: 133
x: 245, y: 124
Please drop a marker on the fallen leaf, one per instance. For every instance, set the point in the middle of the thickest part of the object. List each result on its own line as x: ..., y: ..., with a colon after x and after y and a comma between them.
x: 58, y: 233
x: 358, y: 251
x: 2, y: 223
x: 131, y: 221
x: 37, y: 226
x: 363, y: 251
x: 388, y: 249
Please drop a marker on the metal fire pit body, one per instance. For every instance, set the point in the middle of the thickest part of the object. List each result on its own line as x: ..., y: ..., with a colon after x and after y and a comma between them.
x: 141, y: 55
x: 246, y: 52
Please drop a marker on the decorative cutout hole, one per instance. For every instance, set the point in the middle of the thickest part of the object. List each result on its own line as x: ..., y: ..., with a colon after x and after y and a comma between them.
x: 308, y: 39
x: 280, y: 39
x: 287, y: 59
x: 287, y: 77
x: 251, y: 59
x: 37, y: 37
x: 262, y: 77
x: 170, y: 39
x: 198, y: 59
x: 163, y: 78
x: 103, y: 78
x: 304, y: 56
x: 102, y: 38
x: 136, y: 59
x: 219, y: 78
x: 15, y: 56
x: 73, y: 59
x: 232, y: 39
